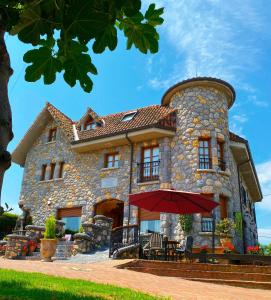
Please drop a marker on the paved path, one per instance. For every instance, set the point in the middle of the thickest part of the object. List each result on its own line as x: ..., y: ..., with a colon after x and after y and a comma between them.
x: 105, y: 272
x: 98, y: 256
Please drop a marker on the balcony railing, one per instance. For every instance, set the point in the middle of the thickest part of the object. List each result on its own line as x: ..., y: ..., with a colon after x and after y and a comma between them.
x: 207, y: 225
x: 148, y: 171
x: 222, y: 165
x: 205, y: 162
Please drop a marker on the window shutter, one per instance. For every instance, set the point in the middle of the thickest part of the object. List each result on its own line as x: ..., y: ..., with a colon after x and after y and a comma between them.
x: 223, y: 207
x: 69, y: 212
x: 211, y: 197
x: 146, y: 215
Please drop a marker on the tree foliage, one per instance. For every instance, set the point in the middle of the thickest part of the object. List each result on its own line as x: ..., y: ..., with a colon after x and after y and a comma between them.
x: 63, y: 31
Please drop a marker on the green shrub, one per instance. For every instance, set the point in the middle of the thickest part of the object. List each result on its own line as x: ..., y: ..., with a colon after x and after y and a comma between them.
x: 7, y: 224
x: 69, y: 231
x: 50, y: 228
x: 186, y: 222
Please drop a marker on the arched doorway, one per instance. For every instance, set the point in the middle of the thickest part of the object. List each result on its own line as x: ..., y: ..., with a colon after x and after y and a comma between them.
x: 111, y: 208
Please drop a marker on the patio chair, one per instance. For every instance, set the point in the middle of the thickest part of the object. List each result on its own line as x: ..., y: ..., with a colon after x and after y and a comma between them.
x: 186, y: 250
x: 154, y: 247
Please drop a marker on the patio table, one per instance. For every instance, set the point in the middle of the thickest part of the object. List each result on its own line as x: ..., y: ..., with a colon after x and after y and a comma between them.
x: 170, y: 249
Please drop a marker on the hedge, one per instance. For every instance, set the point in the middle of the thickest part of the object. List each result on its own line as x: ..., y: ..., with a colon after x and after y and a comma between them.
x: 7, y: 224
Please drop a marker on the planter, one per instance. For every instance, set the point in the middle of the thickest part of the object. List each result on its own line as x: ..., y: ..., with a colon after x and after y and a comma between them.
x: 48, y: 249
x: 225, y: 242
x: 202, y: 257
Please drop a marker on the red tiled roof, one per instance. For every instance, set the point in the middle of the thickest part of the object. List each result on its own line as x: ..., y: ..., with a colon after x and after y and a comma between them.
x: 146, y: 117
x: 64, y: 122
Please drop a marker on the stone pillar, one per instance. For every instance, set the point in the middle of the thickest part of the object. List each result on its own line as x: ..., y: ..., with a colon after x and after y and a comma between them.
x: 48, y: 172
x: 165, y: 166
x: 56, y: 173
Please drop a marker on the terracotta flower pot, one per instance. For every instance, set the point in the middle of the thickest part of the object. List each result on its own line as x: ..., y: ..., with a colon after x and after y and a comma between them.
x: 225, y: 242
x: 48, y: 249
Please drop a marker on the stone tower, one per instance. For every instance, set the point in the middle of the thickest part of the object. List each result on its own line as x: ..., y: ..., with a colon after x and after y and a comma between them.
x: 202, y: 114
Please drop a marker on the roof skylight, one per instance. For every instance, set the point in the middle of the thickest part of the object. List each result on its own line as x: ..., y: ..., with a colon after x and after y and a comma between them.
x: 129, y: 116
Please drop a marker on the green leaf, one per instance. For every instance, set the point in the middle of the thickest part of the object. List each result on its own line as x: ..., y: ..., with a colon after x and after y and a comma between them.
x: 85, y: 20
x: 77, y: 65
x: 143, y: 36
x: 32, y: 25
x: 131, y: 7
x: 107, y: 39
x: 43, y: 63
x: 154, y: 15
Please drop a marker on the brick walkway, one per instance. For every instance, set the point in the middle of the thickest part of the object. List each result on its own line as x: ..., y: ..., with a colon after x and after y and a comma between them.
x: 105, y: 272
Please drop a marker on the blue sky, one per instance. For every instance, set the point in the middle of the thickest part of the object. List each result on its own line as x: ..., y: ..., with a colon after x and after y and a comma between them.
x: 226, y: 39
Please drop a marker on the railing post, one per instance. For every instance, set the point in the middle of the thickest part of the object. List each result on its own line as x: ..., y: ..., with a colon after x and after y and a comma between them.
x: 213, y: 235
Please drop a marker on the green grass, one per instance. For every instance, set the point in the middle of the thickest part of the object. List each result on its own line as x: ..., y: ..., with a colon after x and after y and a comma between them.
x: 27, y: 286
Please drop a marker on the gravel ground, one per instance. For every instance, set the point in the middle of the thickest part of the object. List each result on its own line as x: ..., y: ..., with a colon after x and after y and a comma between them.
x: 98, y: 256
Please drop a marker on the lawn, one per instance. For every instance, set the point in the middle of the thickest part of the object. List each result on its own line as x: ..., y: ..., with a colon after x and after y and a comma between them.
x: 20, y: 285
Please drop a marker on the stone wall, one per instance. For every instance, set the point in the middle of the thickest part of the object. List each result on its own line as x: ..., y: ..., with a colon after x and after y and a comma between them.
x: 95, y: 236
x: 201, y: 112
x: 15, y: 244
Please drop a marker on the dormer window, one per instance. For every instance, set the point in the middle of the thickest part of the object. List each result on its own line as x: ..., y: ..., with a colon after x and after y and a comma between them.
x: 88, y: 125
x: 128, y: 116
x: 52, y: 135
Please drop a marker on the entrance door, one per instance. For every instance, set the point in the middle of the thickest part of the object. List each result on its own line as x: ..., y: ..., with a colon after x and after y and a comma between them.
x: 112, y: 209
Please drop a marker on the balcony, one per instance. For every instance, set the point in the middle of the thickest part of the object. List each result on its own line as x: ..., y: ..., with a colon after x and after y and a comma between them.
x: 206, y: 225
x: 222, y: 165
x: 148, y: 171
x: 205, y: 163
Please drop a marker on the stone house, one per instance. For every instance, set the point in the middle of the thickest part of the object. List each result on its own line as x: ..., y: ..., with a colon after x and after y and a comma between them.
x: 77, y: 169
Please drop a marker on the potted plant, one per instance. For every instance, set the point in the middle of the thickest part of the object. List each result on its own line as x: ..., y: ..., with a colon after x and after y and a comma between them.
x: 48, y: 243
x: 32, y: 246
x: 24, y: 250
x: 224, y: 230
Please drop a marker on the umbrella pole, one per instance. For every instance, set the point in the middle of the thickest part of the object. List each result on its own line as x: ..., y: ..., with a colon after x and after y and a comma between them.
x: 213, y: 235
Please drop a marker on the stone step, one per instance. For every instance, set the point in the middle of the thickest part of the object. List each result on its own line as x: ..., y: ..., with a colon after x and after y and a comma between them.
x: 186, y: 273
x: 239, y: 283
x: 198, y: 266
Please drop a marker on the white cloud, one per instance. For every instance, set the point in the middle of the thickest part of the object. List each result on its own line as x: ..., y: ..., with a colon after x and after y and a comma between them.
x: 264, y: 235
x: 211, y: 38
x: 264, y: 174
x: 242, y: 118
x: 255, y: 100
x: 237, y: 129
x: 237, y: 122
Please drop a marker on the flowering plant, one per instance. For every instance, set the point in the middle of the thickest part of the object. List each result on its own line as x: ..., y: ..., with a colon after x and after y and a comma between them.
x: 253, y: 249
x: 32, y: 243
x: 229, y: 248
x: 3, y: 248
x: 225, y: 227
x: 24, y: 249
x: 204, y: 249
x: 32, y: 246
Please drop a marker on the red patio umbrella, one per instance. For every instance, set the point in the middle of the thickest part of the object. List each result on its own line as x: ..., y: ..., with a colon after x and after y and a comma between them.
x: 177, y: 202
x: 172, y: 201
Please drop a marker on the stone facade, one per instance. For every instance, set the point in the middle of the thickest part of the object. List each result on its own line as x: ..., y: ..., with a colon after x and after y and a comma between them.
x: 201, y: 112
